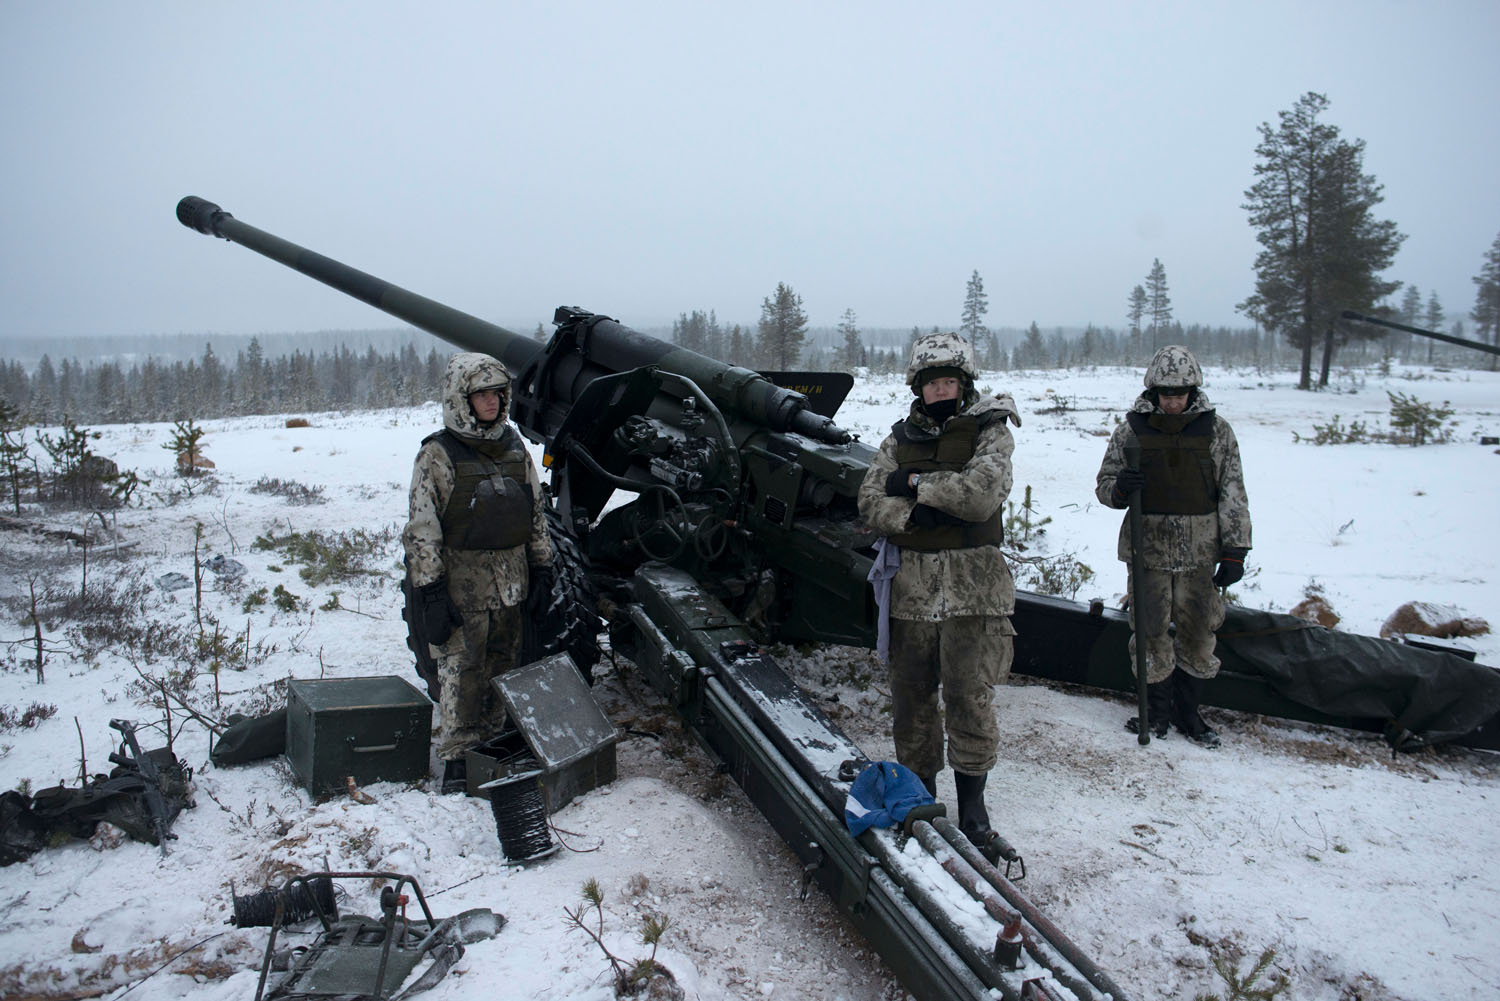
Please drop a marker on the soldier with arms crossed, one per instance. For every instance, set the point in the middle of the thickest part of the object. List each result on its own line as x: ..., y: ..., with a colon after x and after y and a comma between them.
x: 936, y: 490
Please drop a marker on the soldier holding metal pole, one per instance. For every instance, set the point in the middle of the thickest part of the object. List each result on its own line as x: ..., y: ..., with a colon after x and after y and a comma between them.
x: 1131, y: 477
x: 1195, y: 516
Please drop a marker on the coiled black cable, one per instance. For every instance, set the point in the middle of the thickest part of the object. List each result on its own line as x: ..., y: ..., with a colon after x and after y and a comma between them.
x: 303, y: 899
x: 521, y: 817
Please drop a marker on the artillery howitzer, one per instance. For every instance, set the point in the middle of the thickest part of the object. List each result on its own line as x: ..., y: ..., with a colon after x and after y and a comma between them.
x: 743, y: 530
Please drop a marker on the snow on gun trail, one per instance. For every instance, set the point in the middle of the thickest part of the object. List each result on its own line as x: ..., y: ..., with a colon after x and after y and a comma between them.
x: 1370, y: 876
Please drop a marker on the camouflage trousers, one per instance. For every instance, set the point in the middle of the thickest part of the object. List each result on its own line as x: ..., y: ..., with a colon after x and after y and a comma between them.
x: 488, y: 645
x: 965, y: 657
x: 1188, y: 600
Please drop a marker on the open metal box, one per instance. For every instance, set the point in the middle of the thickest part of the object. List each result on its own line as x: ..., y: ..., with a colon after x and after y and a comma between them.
x: 553, y: 724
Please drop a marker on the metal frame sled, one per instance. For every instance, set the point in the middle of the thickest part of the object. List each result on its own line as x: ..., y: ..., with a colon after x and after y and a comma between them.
x: 357, y: 958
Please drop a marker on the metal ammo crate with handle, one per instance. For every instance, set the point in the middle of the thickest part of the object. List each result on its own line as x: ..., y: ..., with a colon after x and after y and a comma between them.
x: 375, y: 729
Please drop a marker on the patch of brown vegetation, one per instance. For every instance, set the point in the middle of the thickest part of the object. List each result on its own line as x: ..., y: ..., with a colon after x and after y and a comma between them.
x: 1421, y: 618
x: 23, y: 982
x: 1316, y: 610
x: 298, y: 422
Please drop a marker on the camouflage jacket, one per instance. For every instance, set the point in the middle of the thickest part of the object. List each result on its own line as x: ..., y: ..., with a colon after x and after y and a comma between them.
x: 477, y: 578
x: 1183, y: 541
x: 932, y: 586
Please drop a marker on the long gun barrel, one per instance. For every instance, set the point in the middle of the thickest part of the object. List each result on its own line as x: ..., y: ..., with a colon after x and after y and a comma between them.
x: 1350, y: 314
x: 603, y: 346
x: 452, y: 325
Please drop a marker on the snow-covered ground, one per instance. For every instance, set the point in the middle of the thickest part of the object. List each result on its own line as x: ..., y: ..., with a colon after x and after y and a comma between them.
x: 1372, y: 877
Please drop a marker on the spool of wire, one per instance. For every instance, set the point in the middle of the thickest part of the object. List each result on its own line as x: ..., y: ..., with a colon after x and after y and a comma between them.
x: 258, y: 910
x: 521, y: 816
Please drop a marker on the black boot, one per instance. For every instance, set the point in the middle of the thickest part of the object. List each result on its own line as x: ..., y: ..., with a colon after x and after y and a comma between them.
x: 930, y: 781
x: 973, y: 818
x: 1187, y: 692
x: 455, y: 777
x: 1158, y: 710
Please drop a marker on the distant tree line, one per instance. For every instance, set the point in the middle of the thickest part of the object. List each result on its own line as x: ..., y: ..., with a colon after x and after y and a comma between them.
x: 783, y: 341
x: 151, y: 390
x: 203, y: 388
x: 1301, y: 315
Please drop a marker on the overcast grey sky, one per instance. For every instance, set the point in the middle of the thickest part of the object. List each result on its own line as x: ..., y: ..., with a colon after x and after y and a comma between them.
x: 647, y: 159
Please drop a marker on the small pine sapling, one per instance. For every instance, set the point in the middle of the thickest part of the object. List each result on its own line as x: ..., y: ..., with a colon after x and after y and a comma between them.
x: 1422, y: 422
x: 183, y: 444
x: 630, y: 979
x: 1245, y: 988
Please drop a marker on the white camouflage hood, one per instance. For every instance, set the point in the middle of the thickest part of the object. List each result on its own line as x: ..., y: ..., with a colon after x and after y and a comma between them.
x: 468, y: 372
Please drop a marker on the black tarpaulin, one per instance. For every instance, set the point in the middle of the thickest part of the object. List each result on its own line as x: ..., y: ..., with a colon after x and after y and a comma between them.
x: 1434, y: 696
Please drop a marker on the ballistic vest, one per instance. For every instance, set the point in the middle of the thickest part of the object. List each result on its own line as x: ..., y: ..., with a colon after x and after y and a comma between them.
x: 491, y: 505
x: 1177, y: 461
x: 949, y: 451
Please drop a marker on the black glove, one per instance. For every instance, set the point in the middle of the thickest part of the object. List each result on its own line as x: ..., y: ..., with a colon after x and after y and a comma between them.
x: 440, y: 616
x: 1127, y: 481
x: 898, y: 484
x: 542, y: 579
x: 1231, y: 567
x: 926, y: 516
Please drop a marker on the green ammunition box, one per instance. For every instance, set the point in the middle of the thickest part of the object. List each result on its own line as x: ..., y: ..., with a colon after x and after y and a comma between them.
x: 376, y: 729
x: 554, y: 725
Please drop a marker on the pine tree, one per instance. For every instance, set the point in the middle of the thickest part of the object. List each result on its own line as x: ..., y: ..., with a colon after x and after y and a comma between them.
x: 252, y: 372
x: 1411, y: 306
x: 1486, y: 311
x: 783, y: 328
x: 976, y: 305
x: 1432, y: 319
x: 1088, y: 345
x: 738, y: 349
x: 1322, y: 248
x: 210, y: 394
x: 1135, y: 311
x: 851, y: 352
x: 713, y: 337
x: 1158, y: 302
x: 44, y: 395
x: 13, y: 451
x: 1031, y: 352
x: 1408, y: 312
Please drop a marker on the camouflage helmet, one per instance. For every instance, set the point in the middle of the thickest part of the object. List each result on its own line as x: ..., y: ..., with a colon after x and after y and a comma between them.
x: 940, y: 351
x: 1173, y: 366
x: 470, y: 372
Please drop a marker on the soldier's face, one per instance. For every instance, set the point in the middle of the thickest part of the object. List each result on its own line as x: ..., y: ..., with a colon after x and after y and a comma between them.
x: 945, y: 388
x: 1173, y: 401
x: 486, y: 404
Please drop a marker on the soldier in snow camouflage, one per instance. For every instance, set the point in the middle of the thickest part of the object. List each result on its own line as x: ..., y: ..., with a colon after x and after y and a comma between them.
x: 936, y: 491
x: 476, y: 540
x: 1195, y: 515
